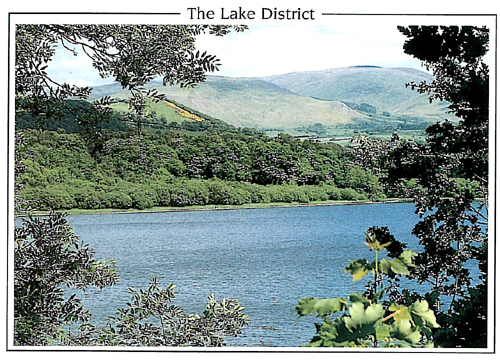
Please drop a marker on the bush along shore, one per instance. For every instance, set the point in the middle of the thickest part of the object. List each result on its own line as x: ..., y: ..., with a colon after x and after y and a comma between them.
x: 63, y: 171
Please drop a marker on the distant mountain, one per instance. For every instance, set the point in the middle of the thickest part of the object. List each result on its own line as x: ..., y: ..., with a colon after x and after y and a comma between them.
x: 251, y: 102
x: 360, y: 96
x: 384, y: 88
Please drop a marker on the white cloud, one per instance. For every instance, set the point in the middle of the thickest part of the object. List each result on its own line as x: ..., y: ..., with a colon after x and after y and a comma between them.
x: 269, y: 50
x: 77, y: 70
x: 276, y: 49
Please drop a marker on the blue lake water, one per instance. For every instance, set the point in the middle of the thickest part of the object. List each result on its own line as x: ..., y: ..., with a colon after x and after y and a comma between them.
x: 268, y: 259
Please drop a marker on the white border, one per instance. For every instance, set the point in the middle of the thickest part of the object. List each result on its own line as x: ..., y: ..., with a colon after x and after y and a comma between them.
x: 368, y: 10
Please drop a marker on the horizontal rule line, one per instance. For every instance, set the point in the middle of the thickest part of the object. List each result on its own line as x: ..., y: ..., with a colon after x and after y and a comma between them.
x: 89, y: 13
x: 389, y: 14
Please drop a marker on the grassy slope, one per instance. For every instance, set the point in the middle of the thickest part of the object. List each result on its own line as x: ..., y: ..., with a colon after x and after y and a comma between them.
x: 290, y: 100
x: 168, y: 110
x: 245, y: 102
x: 384, y: 88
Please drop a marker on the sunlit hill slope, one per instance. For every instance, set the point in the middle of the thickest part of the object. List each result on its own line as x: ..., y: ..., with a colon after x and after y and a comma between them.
x: 356, y: 97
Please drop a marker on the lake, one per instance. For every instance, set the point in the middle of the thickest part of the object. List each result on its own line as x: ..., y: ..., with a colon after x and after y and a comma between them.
x: 267, y: 258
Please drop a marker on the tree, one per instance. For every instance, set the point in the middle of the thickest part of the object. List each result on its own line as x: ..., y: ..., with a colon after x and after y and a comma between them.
x: 47, y: 254
x: 456, y: 230
x: 151, y: 319
x: 455, y: 57
x: 132, y: 54
x: 454, y: 218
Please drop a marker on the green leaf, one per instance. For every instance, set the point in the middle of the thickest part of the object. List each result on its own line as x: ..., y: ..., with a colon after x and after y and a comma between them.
x: 305, y: 306
x: 407, y: 257
x: 394, y: 266
x: 404, y: 331
x: 400, y: 313
x: 334, y: 333
x: 382, y: 332
x: 322, y: 307
x: 400, y: 265
x: 420, y: 309
x: 327, y: 306
x: 360, y: 317
x: 358, y: 268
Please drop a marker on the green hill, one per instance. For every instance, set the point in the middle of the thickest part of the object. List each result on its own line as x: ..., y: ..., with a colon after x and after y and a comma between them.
x: 363, y: 98
x: 175, y: 169
x: 383, y: 88
x: 249, y: 102
x: 64, y: 118
x: 172, y: 115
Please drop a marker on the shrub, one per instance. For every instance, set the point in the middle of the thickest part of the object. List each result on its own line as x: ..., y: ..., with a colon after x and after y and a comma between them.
x: 316, y: 193
x: 162, y: 194
x: 333, y: 192
x: 54, y: 197
x: 348, y: 194
x: 116, y: 199
x: 142, y: 199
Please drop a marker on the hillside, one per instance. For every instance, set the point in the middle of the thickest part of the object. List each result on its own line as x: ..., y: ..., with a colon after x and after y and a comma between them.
x: 362, y: 97
x: 249, y: 102
x: 383, y: 88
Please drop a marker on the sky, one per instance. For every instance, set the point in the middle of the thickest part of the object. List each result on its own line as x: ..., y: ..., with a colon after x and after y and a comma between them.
x: 277, y: 49
x: 273, y: 49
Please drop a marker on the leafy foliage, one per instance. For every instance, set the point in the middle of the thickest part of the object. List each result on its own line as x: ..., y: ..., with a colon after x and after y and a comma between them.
x: 447, y: 177
x: 132, y: 54
x: 179, y: 170
x: 456, y: 230
x: 47, y: 255
x: 151, y: 319
x: 368, y: 320
x: 72, y: 116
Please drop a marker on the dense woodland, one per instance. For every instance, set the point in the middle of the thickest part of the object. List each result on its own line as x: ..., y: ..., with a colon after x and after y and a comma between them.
x: 175, y: 169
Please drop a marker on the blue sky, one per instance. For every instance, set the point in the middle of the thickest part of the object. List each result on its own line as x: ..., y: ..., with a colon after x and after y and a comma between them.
x: 277, y: 49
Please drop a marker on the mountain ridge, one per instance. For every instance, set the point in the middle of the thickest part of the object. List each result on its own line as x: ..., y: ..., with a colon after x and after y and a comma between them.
x: 353, y: 97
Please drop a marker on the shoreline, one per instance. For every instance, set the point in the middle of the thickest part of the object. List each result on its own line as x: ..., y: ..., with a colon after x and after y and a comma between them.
x: 160, y: 209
